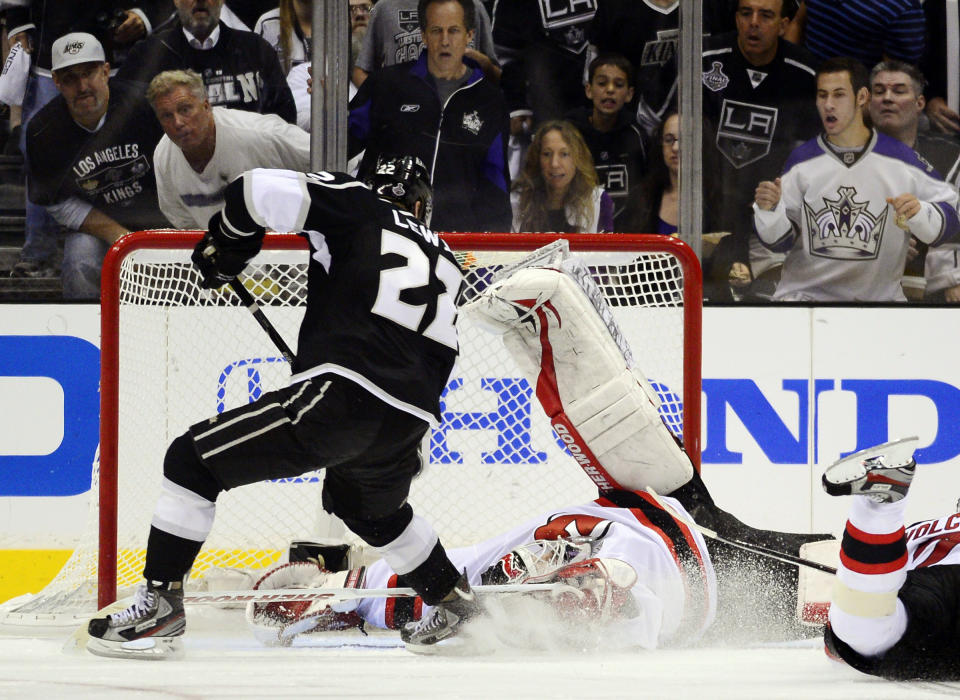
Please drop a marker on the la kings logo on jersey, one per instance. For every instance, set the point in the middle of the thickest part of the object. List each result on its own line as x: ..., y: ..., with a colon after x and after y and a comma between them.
x: 615, y: 179
x: 472, y: 122
x: 845, y: 229
x: 408, y: 43
x: 660, y: 50
x: 745, y: 131
x: 565, y: 22
x: 561, y: 13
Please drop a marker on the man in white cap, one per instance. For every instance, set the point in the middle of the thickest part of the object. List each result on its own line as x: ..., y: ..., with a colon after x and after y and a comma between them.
x: 89, y: 150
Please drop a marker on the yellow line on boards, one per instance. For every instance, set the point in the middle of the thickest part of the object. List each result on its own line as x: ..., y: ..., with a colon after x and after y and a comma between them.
x: 28, y: 570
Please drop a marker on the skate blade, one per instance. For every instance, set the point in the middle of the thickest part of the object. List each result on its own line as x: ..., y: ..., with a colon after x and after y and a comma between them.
x: 897, y: 453
x: 454, y: 646
x: 76, y: 643
x: 148, y: 648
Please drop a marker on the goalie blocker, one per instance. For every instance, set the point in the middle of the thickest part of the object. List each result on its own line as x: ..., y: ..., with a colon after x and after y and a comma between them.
x: 556, y: 325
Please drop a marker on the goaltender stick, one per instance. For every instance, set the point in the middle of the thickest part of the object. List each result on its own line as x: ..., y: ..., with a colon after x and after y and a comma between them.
x: 376, y: 347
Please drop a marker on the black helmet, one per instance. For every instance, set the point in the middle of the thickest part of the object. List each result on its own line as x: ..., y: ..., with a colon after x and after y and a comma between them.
x: 403, y: 180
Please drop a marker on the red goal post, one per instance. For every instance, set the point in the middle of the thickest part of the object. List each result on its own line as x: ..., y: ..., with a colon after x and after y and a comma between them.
x: 173, y: 354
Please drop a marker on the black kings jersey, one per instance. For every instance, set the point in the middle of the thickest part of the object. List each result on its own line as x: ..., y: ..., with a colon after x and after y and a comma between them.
x: 382, y: 287
x: 111, y: 168
x: 648, y: 35
x: 753, y: 118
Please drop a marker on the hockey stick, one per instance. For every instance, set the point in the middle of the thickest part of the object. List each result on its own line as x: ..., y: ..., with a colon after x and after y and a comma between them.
x: 338, y: 594
x: 76, y: 643
x: 254, y: 308
x: 755, y: 548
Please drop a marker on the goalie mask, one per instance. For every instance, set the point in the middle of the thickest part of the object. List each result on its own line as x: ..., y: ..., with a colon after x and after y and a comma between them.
x: 403, y: 180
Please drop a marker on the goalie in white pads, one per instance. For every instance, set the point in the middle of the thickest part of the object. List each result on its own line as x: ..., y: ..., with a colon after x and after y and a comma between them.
x: 645, y: 578
x: 896, y: 597
x: 556, y: 324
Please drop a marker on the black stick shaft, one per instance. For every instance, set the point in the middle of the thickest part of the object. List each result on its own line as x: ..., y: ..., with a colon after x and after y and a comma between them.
x: 247, y: 298
x: 746, y: 546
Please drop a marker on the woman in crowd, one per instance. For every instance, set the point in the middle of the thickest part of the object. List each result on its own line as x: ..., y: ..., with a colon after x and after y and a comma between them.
x: 557, y: 188
x: 288, y: 30
x: 658, y: 208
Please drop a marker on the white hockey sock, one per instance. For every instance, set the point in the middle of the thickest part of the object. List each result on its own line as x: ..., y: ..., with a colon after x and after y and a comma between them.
x: 865, y: 611
x: 183, y: 513
x: 411, y: 548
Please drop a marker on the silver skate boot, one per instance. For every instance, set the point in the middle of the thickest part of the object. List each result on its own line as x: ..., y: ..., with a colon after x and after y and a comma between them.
x: 151, y: 628
x: 882, y: 473
x: 443, y: 621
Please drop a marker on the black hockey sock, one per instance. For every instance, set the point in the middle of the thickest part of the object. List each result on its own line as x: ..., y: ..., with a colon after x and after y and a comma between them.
x: 434, y: 578
x: 182, y: 466
x: 169, y: 557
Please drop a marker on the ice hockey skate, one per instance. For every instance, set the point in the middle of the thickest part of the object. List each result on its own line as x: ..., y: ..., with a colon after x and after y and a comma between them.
x: 151, y: 628
x: 444, y: 622
x: 882, y: 473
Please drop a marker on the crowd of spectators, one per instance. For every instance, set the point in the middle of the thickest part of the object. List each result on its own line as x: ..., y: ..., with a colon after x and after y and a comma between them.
x: 531, y: 115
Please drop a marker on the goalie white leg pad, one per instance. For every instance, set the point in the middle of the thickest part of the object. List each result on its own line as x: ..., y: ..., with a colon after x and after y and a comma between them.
x: 814, y: 588
x: 599, y: 405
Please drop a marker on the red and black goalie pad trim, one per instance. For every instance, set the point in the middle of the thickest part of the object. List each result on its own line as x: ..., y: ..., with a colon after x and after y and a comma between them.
x: 870, y: 553
x: 548, y: 394
x: 399, y: 611
x: 682, y: 546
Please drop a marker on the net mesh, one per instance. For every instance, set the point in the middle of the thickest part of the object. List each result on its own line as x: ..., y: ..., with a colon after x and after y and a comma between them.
x: 186, y: 353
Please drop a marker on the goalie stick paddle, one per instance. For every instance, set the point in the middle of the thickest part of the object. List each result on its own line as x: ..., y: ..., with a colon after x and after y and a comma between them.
x: 254, y: 308
x: 755, y: 548
x: 338, y: 594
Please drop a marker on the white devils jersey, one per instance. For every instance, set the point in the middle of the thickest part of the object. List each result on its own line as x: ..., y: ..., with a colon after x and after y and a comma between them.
x: 676, y: 588
x: 834, y: 223
x: 933, y: 542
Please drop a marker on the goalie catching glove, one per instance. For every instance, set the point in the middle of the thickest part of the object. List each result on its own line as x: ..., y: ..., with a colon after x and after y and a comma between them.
x: 222, y: 254
x: 595, y: 589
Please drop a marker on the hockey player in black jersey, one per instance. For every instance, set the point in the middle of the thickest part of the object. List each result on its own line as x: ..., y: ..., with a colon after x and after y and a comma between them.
x: 376, y: 347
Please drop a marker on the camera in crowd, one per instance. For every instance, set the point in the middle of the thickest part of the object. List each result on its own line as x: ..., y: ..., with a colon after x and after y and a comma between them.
x: 110, y: 20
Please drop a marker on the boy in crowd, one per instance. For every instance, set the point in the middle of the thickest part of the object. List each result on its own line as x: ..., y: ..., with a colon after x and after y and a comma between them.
x: 617, y: 143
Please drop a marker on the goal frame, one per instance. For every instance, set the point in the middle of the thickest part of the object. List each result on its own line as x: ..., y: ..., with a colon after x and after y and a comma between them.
x: 186, y: 240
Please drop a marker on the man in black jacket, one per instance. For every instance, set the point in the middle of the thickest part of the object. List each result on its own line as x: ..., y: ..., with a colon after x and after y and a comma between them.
x: 239, y: 68
x: 442, y: 109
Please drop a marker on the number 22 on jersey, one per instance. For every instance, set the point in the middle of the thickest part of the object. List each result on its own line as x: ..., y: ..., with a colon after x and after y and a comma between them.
x: 414, y: 274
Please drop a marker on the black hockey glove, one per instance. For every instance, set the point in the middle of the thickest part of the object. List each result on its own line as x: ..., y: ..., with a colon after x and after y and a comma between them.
x: 218, y: 261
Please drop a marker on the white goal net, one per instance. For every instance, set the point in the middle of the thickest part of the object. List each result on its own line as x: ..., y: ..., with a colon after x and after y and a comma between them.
x: 174, y: 354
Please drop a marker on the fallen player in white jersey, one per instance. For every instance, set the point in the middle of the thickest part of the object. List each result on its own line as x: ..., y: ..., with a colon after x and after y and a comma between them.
x: 645, y: 578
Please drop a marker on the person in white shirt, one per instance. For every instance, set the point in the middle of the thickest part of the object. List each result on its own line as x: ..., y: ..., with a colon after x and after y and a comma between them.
x: 847, y: 202
x: 204, y: 147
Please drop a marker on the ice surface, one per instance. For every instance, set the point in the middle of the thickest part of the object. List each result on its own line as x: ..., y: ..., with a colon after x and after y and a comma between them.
x: 224, y: 661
